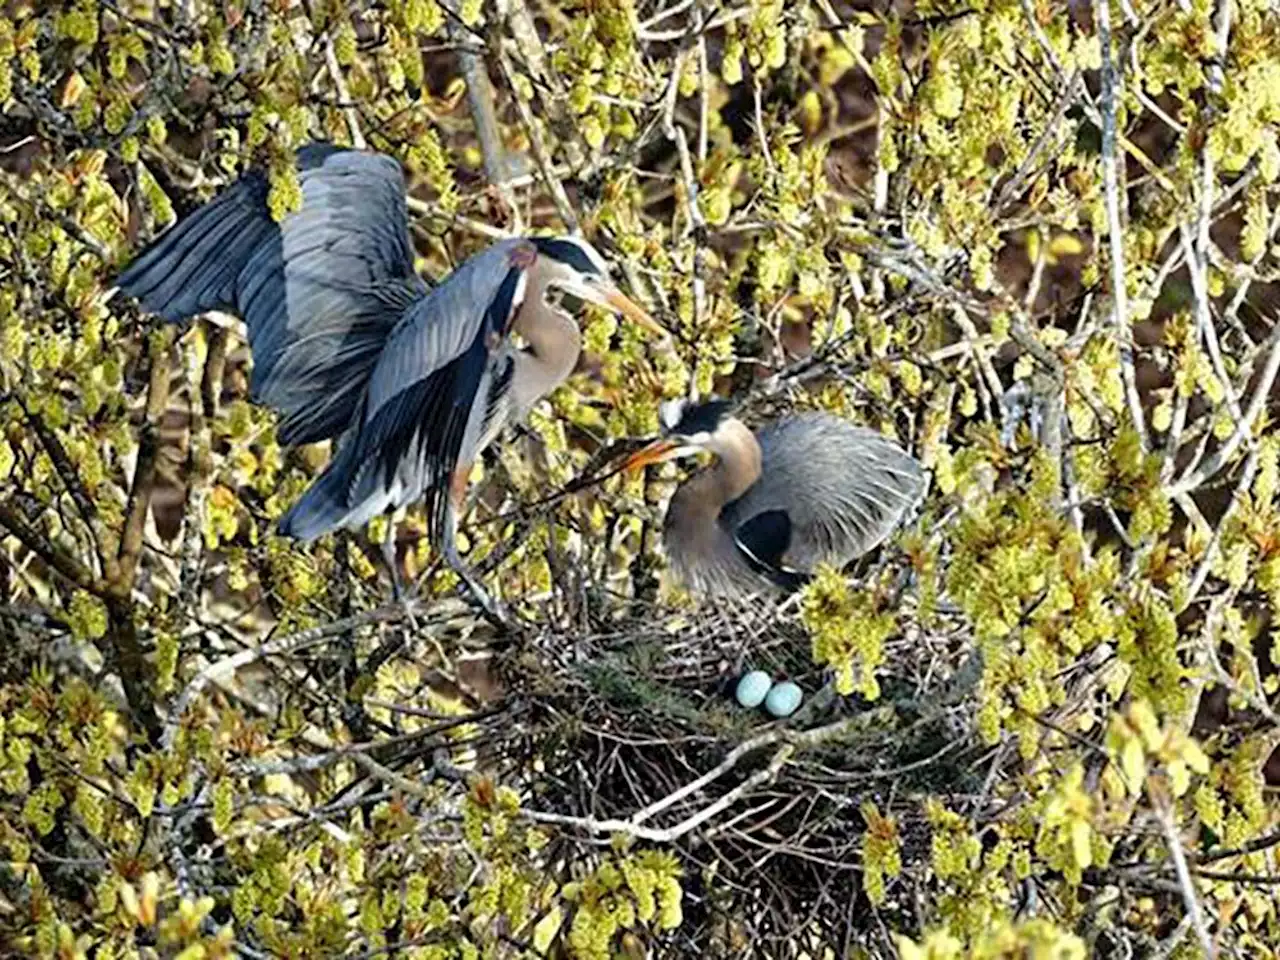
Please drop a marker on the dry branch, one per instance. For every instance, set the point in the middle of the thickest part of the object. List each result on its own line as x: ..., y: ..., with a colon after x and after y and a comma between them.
x: 1112, y: 90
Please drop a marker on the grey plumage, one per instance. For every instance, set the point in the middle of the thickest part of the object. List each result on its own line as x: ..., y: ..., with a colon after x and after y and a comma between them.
x: 418, y: 421
x: 350, y: 344
x: 844, y: 487
x: 805, y: 490
x: 319, y: 292
x: 346, y: 338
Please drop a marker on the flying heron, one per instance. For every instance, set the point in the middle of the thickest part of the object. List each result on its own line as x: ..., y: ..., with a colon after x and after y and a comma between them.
x: 806, y: 489
x: 350, y: 344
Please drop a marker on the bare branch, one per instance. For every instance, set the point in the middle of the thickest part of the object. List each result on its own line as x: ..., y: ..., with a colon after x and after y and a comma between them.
x: 484, y: 115
x: 1112, y: 90
x: 144, y: 471
x: 1189, y: 896
x: 1210, y: 466
x: 541, y: 155
x: 791, y: 741
x: 55, y: 558
x: 227, y: 666
x: 344, y: 96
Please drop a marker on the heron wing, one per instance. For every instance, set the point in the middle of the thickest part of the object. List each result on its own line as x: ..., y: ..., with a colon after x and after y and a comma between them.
x: 763, y: 541
x: 320, y: 291
x: 420, y: 419
x: 842, y: 488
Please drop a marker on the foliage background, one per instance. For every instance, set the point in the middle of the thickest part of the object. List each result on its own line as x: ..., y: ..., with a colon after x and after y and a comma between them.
x: 1034, y: 241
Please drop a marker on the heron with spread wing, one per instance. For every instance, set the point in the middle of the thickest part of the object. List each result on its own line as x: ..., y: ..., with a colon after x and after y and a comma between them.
x: 349, y: 343
x: 804, y: 490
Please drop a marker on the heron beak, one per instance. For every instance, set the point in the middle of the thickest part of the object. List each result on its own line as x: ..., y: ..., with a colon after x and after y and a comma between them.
x: 656, y: 452
x: 616, y: 300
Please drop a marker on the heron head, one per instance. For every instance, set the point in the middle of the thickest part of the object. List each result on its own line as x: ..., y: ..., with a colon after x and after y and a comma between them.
x: 688, y: 429
x: 575, y: 267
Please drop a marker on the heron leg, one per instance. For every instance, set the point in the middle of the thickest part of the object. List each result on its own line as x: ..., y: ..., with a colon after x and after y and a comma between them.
x: 389, y: 557
x: 494, y: 610
x: 398, y: 592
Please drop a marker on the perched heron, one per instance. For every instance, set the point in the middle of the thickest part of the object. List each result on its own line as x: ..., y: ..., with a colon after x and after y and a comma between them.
x: 807, y: 489
x: 350, y: 344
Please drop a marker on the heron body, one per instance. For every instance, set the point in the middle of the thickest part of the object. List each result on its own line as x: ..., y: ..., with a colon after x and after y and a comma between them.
x: 805, y: 490
x: 349, y: 343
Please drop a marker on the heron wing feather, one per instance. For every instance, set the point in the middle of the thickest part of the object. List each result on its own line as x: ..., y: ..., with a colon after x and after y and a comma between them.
x: 418, y: 437
x: 320, y: 292
x: 842, y: 487
x: 418, y: 423
x: 477, y: 299
x: 763, y: 540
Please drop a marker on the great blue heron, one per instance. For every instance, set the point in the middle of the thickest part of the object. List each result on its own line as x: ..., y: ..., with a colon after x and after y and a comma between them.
x: 807, y: 489
x: 349, y: 343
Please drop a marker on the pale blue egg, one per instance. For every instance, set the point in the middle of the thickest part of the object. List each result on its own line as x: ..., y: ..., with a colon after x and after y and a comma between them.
x: 752, y: 688
x: 783, y: 699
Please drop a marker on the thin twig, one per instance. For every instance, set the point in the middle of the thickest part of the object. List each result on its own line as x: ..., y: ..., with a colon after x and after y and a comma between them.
x: 228, y: 665
x: 790, y: 740
x: 704, y: 86
x: 693, y: 786
x: 424, y: 209
x: 541, y: 155
x: 1189, y: 896
x: 344, y: 96
x: 695, y: 221
x: 1197, y: 267
x: 626, y: 827
x: 761, y: 133
x: 1112, y: 90
x: 1211, y: 552
x: 57, y: 559
x: 1209, y: 467
x: 1257, y: 844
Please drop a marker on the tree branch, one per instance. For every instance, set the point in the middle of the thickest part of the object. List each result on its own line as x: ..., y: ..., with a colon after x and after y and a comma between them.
x: 144, y: 472
x: 1112, y: 90
x: 484, y: 116
x: 1195, y: 477
x: 58, y: 560
x: 228, y: 665
x: 791, y: 741
x: 541, y: 155
x: 344, y: 97
x: 1189, y: 896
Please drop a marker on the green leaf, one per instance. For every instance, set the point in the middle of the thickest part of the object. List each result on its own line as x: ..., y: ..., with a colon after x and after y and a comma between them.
x: 546, y: 929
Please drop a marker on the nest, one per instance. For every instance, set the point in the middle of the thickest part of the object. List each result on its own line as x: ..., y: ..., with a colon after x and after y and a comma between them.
x: 636, y: 732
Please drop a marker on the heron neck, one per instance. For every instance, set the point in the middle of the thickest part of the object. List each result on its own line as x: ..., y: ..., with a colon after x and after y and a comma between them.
x: 738, y: 462
x: 554, y: 343
x: 736, y: 469
x: 700, y: 547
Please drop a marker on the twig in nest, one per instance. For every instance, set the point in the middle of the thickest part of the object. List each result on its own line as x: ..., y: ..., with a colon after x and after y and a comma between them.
x: 630, y: 828
x: 790, y: 740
